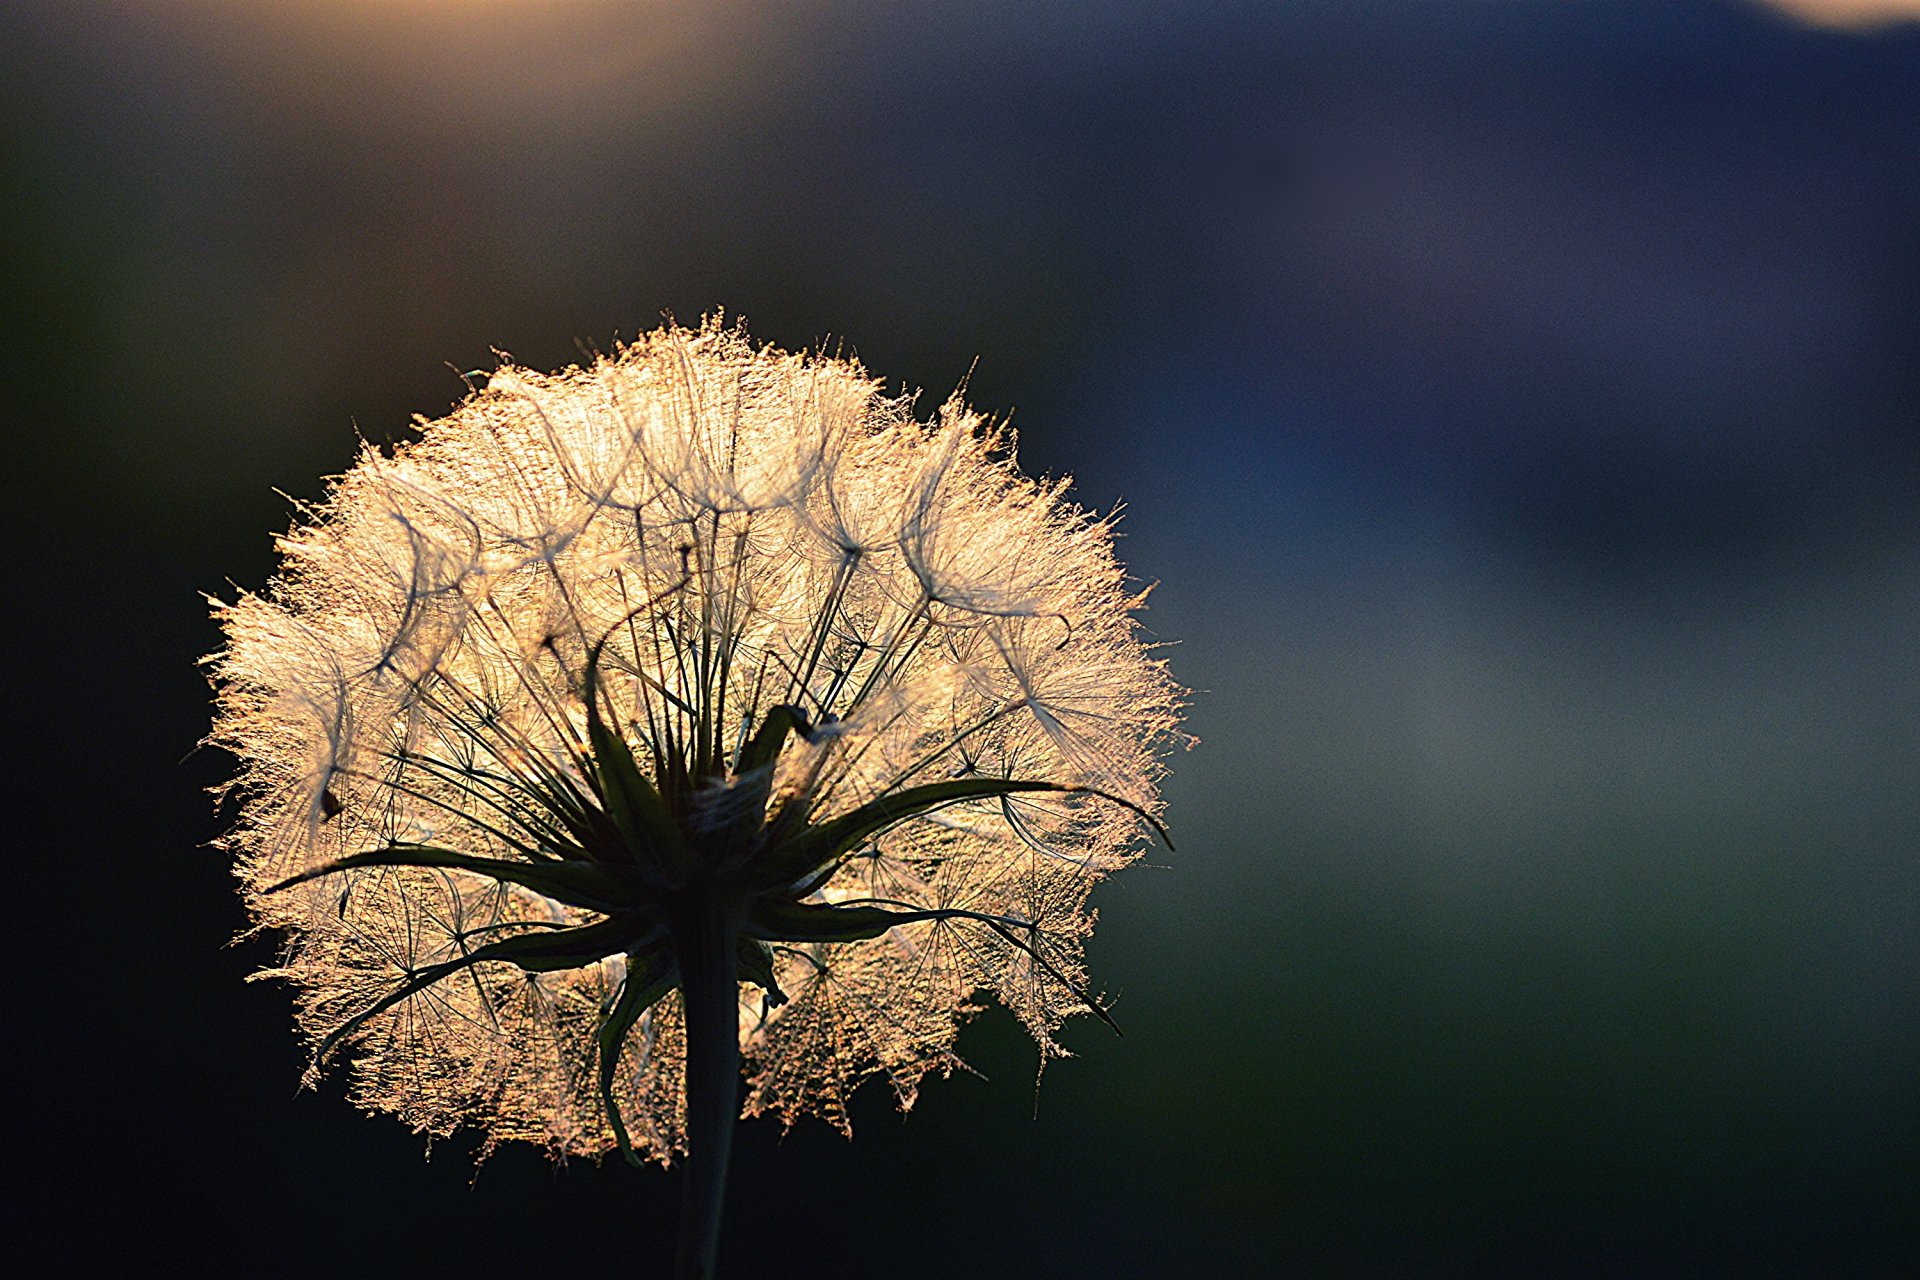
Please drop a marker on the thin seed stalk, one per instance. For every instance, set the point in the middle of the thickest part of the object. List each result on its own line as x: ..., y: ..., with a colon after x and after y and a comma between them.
x: 710, y: 991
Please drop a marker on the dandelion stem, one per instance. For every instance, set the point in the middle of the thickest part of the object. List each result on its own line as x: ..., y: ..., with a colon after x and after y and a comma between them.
x: 711, y: 993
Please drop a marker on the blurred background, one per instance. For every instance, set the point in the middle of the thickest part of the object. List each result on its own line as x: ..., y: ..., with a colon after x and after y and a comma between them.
x: 1517, y: 402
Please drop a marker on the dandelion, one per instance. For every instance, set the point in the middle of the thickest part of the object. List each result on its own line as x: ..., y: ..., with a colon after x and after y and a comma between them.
x: 696, y: 714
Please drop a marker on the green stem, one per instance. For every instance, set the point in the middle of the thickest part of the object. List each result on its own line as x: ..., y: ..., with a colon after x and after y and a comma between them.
x: 711, y: 992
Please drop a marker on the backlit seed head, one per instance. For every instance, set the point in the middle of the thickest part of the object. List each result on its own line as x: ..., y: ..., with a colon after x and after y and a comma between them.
x: 702, y: 622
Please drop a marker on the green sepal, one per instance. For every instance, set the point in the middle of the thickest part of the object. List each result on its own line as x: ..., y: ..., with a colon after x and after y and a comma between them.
x: 817, y: 846
x: 650, y: 975
x: 632, y: 801
x: 756, y: 966
x: 828, y: 840
x: 542, y: 952
x: 753, y: 773
x: 781, y: 920
x: 764, y: 747
x: 778, y: 920
x: 591, y: 886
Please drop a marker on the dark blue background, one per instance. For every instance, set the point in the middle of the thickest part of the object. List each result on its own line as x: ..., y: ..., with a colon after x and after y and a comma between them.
x: 1517, y: 402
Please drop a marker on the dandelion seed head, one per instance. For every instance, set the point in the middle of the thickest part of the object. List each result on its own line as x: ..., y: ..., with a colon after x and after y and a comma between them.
x: 884, y: 695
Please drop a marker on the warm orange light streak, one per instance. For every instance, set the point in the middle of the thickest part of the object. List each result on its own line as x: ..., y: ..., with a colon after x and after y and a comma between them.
x: 1850, y: 14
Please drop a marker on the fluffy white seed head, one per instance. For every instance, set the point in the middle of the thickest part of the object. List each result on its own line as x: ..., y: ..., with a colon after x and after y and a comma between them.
x: 737, y: 529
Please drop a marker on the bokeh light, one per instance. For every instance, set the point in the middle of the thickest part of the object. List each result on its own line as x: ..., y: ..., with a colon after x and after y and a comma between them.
x: 1850, y: 13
